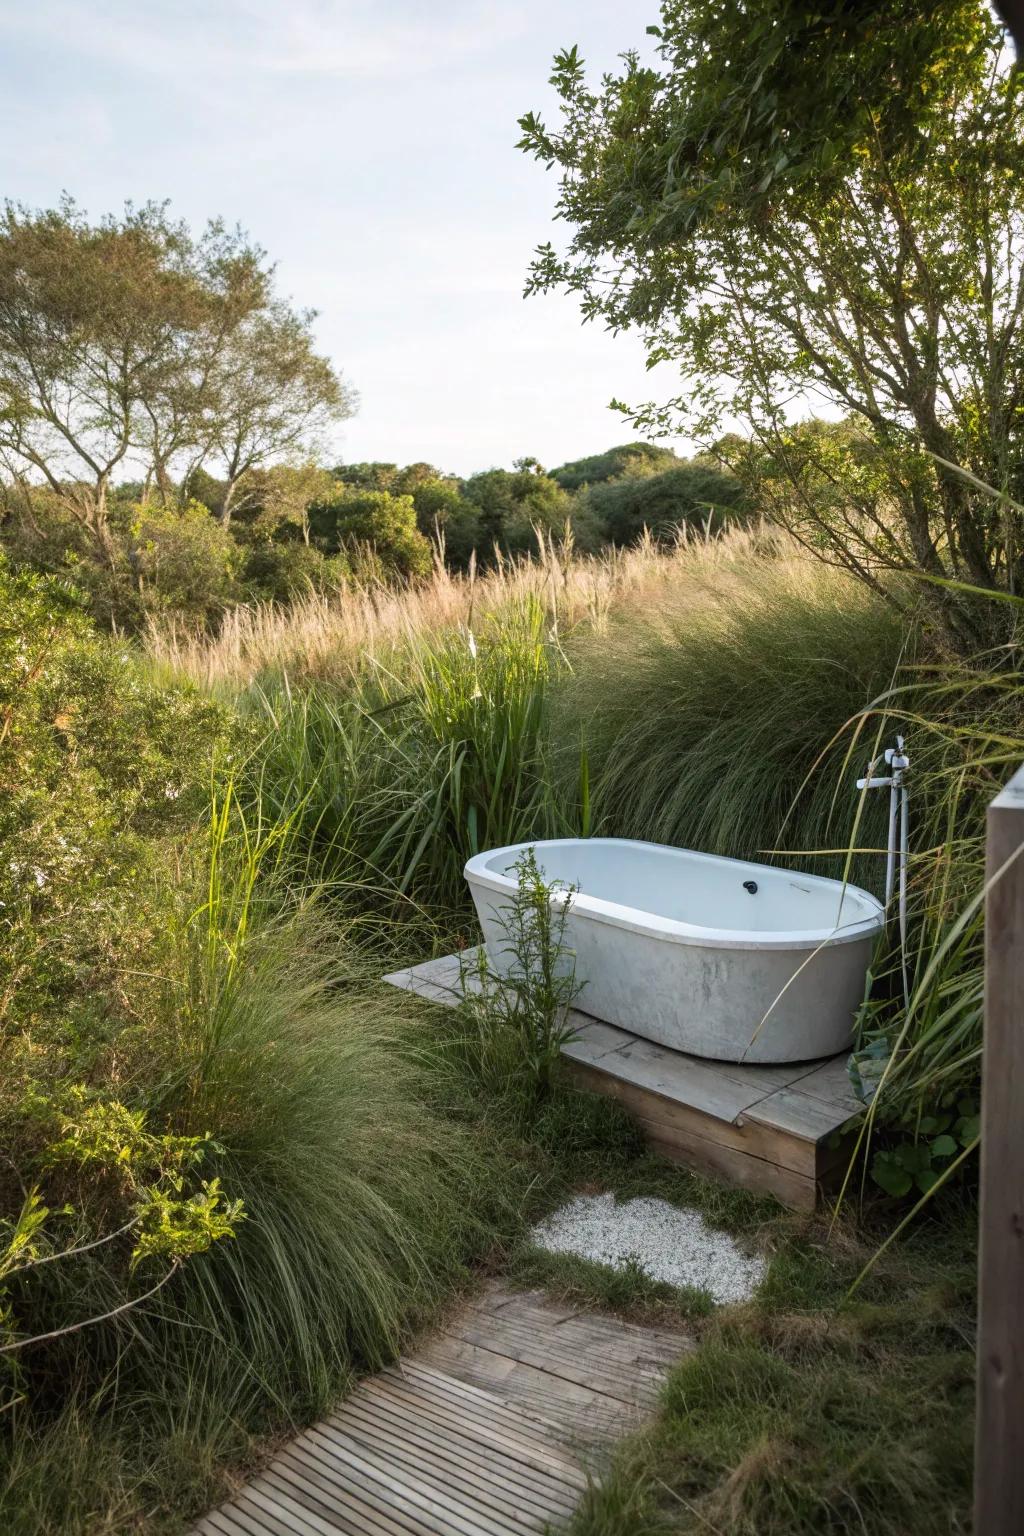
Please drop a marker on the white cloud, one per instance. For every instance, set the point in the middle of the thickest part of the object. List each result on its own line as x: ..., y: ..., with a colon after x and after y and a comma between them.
x: 348, y: 39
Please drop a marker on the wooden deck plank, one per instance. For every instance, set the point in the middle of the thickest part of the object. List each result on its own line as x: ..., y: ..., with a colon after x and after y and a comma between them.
x: 594, y: 1038
x: 526, y: 1458
x: 710, y: 1158
x: 669, y: 1120
x: 493, y: 1472
x: 483, y: 1432
x: 799, y: 1115
x: 385, y: 1485
x: 769, y: 1128
x: 504, y: 1412
x: 283, y: 1513
x: 220, y: 1522
x: 432, y: 1467
x: 615, y: 1337
x: 415, y: 1485
x: 333, y: 1483
x: 343, y: 1510
x: 830, y: 1080
x: 620, y: 1365
x: 419, y: 1434
x: 568, y: 1365
x: 587, y: 1415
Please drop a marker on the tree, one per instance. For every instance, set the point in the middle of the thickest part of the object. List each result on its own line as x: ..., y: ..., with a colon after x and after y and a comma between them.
x: 663, y: 503
x: 276, y: 500
x: 93, y: 321
x: 514, y: 502
x: 275, y: 398
x: 353, y: 519
x: 131, y: 345
x: 630, y: 461
x: 801, y: 208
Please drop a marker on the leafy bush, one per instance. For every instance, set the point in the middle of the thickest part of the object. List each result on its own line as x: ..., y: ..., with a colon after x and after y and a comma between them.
x: 94, y: 758
x: 662, y: 503
x: 441, y: 508
x: 181, y: 561
x: 514, y: 502
x: 385, y: 524
x: 278, y: 572
x: 631, y: 461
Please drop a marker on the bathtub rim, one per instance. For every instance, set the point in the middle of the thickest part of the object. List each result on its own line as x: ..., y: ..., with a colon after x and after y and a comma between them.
x: 672, y: 930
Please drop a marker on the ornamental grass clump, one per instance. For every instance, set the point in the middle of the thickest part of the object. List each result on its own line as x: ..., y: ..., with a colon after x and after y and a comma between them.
x: 349, y: 1169
x: 436, y: 751
x: 704, y: 712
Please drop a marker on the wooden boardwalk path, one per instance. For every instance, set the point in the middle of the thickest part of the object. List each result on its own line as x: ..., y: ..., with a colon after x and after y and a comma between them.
x: 490, y: 1429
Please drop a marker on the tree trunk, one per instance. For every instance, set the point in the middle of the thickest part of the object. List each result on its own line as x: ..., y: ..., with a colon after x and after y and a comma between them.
x: 225, y: 507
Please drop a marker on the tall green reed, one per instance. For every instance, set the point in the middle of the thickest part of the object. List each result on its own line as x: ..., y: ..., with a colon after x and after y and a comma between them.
x: 438, y: 751
x: 920, y: 1051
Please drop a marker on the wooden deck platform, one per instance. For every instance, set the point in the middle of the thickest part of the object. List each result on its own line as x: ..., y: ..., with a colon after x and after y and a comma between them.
x: 775, y: 1129
x: 491, y: 1429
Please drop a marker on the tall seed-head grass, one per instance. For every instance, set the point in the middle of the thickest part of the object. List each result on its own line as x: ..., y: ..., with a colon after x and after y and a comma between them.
x: 704, y: 712
x: 436, y: 753
x: 327, y: 637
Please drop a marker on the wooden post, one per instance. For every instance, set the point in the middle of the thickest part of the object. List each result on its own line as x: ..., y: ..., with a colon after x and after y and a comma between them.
x: 999, y: 1427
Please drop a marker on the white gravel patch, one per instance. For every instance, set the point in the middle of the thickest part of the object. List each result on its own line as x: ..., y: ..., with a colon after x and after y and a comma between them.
x: 670, y: 1243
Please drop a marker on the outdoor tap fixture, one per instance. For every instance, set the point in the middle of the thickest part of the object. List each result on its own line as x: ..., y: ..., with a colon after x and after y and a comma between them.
x: 897, y: 761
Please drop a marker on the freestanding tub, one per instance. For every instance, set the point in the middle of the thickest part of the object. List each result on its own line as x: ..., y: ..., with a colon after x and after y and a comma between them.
x: 740, y: 962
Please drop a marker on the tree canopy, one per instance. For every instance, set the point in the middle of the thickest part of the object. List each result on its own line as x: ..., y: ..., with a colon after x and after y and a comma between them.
x: 809, y: 211
x: 132, y: 345
x: 630, y: 459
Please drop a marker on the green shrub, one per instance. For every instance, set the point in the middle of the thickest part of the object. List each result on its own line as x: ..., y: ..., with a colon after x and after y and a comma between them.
x: 96, y: 760
x: 441, y: 508
x: 279, y: 571
x: 181, y: 560
x: 513, y: 503
x: 384, y: 524
x: 696, y: 494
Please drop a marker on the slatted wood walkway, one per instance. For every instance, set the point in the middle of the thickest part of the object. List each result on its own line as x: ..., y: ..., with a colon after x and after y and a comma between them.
x: 491, y: 1429
x: 771, y: 1128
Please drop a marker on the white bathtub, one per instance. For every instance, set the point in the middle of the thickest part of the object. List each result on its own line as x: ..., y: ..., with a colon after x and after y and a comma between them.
x: 672, y: 945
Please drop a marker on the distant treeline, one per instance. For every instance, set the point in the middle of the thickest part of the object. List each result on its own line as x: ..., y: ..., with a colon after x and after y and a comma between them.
x: 165, y: 432
x: 196, y: 548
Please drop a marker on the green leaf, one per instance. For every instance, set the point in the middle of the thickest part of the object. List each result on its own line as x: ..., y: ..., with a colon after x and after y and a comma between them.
x: 943, y: 1146
x: 890, y: 1176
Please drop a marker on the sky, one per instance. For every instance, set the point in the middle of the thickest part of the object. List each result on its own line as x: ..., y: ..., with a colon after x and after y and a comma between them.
x: 370, y: 148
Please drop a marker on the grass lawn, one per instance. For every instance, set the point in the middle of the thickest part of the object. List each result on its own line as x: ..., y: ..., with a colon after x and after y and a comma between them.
x: 808, y: 1409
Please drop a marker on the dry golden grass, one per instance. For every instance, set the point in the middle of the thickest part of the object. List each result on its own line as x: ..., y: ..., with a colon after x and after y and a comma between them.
x: 325, y: 636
